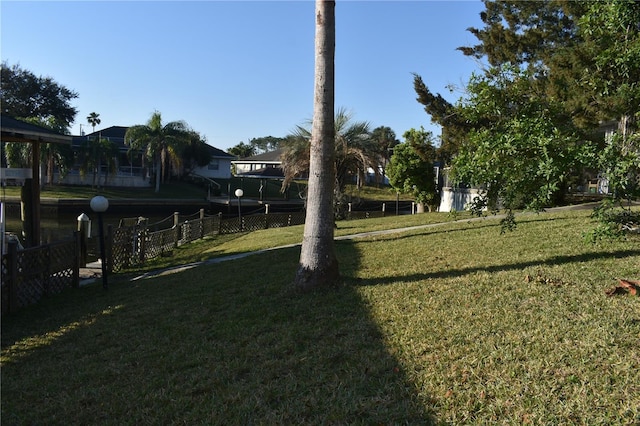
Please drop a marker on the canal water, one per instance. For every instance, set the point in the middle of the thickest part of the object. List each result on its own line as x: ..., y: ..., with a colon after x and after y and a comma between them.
x: 62, y: 226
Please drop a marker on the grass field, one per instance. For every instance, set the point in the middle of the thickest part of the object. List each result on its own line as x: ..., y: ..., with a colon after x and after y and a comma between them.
x: 454, y: 324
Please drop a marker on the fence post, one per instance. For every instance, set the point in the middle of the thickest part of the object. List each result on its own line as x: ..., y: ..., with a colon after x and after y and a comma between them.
x: 142, y: 244
x: 384, y: 208
x: 84, y: 228
x: 176, y: 218
x: 12, y: 264
x: 109, y: 248
x: 219, y: 223
x: 78, y: 260
x: 201, y: 223
x: 266, y: 216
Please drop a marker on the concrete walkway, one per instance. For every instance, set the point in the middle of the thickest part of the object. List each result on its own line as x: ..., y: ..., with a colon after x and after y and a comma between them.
x: 93, y: 271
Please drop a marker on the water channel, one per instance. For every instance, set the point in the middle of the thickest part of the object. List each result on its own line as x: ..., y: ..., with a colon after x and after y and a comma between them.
x: 62, y: 226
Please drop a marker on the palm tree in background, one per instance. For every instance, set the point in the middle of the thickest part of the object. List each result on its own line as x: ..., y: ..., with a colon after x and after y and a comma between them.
x: 94, y: 120
x: 355, y: 151
x: 161, y: 144
x: 384, y: 140
x: 91, y: 155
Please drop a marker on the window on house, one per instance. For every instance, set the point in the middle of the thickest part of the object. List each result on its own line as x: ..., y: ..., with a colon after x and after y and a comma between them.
x: 214, y: 164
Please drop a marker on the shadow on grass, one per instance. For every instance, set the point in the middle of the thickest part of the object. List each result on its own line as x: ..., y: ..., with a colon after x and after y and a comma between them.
x: 219, y: 344
x: 454, y: 273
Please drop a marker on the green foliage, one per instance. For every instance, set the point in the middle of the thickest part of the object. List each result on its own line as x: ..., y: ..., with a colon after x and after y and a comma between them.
x: 195, y: 153
x: 243, y: 150
x: 411, y: 167
x: 611, y: 57
x: 92, y: 154
x: 265, y: 144
x: 384, y: 140
x: 355, y: 151
x: 621, y: 166
x: 52, y: 155
x: 26, y: 96
x: 522, y: 32
x: 93, y: 119
x: 520, y: 149
x: 614, y: 221
x: 161, y: 143
x: 442, y: 112
x: 17, y: 154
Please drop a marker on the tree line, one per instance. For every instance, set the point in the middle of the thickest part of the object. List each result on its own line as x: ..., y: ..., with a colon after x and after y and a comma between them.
x: 527, y: 127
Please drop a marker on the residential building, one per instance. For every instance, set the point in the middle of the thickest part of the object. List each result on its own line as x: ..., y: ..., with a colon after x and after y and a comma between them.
x: 128, y: 168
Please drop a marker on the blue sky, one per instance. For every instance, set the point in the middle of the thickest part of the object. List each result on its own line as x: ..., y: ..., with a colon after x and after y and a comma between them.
x: 236, y: 70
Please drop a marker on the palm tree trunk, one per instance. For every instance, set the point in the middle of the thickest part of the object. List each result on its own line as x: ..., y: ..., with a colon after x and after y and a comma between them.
x: 318, y: 263
x: 158, y: 173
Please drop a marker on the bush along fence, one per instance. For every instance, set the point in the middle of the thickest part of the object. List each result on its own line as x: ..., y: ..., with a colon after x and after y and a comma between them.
x: 30, y: 274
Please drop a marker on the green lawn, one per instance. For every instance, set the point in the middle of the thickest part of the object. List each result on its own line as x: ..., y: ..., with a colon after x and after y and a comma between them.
x: 454, y: 324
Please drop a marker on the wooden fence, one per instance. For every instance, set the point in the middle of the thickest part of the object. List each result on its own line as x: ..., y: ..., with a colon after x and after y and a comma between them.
x: 132, y: 245
x: 30, y: 274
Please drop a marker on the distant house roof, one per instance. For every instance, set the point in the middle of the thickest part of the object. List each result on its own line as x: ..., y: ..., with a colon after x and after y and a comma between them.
x: 110, y: 132
x: 14, y: 130
x: 218, y: 153
x: 262, y: 166
x: 116, y: 134
x: 271, y: 157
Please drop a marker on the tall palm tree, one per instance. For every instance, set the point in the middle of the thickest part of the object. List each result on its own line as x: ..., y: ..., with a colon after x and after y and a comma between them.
x: 318, y: 265
x: 161, y: 144
x: 91, y: 155
x: 93, y: 120
x: 384, y: 140
x: 354, y: 151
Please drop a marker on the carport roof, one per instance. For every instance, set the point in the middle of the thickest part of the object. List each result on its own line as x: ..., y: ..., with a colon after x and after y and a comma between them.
x: 14, y: 130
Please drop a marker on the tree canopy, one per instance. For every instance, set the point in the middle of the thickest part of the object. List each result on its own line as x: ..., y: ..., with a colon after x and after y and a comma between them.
x: 384, y: 140
x: 411, y: 169
x: 161, y: 143
x: 24, y: 95
x: 556, y: 70
x: 243, y: 150
x: 354, y: 151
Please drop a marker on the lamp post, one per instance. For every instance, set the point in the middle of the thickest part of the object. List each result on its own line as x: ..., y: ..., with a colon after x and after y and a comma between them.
x: 100, y: 204
x: 239, y: 193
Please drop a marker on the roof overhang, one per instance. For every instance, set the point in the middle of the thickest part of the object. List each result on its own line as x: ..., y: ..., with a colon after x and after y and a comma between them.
x: 13, y: 130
